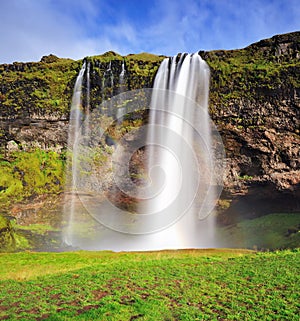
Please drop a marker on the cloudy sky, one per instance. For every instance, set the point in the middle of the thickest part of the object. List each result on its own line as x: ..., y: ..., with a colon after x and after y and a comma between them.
x: 79, y: 28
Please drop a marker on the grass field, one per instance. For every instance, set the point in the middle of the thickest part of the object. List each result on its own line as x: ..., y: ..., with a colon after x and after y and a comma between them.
x: 165, y: 285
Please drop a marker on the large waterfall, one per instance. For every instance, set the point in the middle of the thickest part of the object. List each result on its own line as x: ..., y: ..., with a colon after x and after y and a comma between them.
x: 183, y: 193
x: 175, y: 203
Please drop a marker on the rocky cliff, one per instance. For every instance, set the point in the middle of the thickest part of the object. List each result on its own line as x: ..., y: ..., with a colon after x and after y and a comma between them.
x: 35, y: 97
x: 254, y: 101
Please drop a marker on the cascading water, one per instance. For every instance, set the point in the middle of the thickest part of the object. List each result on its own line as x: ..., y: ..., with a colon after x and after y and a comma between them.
x: 107, y: 85
x: 120, y: 110
x: 122, y: 74
x: 87, y: 108
x: 180, y: 192
x: 75, y: 122
x: 179, y: 125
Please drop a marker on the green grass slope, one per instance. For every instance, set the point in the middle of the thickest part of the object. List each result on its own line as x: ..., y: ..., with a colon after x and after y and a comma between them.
x: 166, y: 285
x: 273, y: 231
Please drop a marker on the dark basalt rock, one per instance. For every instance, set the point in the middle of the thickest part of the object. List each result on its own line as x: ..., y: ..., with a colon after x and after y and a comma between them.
x: 49, y: 59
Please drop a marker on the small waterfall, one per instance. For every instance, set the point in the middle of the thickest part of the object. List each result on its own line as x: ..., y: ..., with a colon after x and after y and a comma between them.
x: 109, y: 74
x: 107, y: 84
x: 120, y: 110
x: 88, y: 104
x: 75, y: 122
x: 122, y: 74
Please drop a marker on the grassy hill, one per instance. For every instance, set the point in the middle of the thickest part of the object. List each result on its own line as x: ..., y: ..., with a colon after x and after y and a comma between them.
x: 166, y: 285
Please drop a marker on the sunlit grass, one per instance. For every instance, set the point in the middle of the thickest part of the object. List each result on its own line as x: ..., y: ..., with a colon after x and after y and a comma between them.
x: 30, y: 265
x: 165, y: 285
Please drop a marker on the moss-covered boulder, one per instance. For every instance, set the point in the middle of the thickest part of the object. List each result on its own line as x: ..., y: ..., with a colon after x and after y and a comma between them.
x: 7, y: 238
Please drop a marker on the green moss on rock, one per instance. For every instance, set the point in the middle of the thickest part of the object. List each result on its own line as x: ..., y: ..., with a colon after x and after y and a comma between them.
x: 40, y: 89
x: 7, y: 238
x: 25, y: 174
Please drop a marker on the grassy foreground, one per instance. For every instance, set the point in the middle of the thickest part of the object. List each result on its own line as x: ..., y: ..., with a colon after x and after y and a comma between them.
x: 166, y: 285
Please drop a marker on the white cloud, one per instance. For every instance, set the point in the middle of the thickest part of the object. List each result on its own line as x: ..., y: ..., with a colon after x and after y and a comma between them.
x: 77, y: 28
x: 33, y: 28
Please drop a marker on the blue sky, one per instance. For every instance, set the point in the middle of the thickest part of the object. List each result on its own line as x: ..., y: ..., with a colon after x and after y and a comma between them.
x: 79, y: 28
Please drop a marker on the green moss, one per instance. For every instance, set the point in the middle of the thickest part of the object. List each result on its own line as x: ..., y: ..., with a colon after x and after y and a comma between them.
x: 41, y: 83
x: 248, y: 73
x: 40, y: 229
x: 22, y: 242
x: 224, y: 203
x: 245, y: 177
x: 7, y: 238
x: 144, y: 56
x: 30, y: 173
x: 143, y: 68
x: 3, y: 222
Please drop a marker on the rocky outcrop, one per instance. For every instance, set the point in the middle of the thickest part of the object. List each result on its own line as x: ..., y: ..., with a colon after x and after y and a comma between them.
x: 257, y: 111
x: 25, y: 134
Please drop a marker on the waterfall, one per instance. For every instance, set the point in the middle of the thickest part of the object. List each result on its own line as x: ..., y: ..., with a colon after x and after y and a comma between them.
x: 179, y: 123
x: 111, y: 75
x: 88, y: 104
x: 75, y: 122
x: 107, y: 84
x: 122, y: 74
x: 175, y: 202
x: 120, y: 110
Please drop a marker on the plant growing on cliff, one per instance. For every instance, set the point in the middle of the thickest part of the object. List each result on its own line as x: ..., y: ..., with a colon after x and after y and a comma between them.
x: 37, y: 87
x: 30, y: 173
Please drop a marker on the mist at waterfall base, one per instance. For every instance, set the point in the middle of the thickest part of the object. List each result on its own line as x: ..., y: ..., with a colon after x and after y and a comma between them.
x: 183, y: 168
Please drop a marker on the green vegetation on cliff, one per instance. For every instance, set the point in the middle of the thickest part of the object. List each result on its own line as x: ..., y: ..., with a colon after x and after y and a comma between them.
x: 26, y: 174
x: 44, y: 89
x: 272, y: 231
x: 139, y: 72
x: 36, y: 89
x: 261, y: 72
x: 143, y: 64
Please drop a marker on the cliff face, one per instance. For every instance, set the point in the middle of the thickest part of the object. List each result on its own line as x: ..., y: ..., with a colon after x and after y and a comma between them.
x: 35, y: 98
x: 254, y: 101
